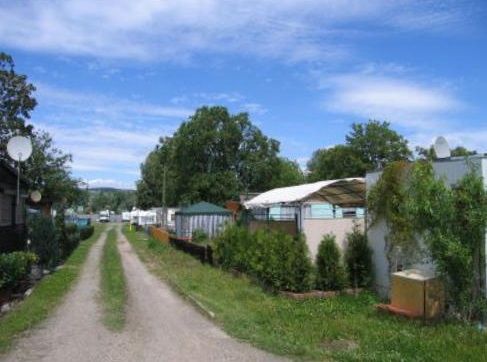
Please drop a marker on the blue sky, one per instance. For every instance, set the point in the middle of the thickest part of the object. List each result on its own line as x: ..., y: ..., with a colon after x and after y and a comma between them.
x: 113, y: 76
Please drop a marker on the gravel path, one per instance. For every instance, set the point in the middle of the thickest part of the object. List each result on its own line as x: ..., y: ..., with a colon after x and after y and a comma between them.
x: 160, y: 326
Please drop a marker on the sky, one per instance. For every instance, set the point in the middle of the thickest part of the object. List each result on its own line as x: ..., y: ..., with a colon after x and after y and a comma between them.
x: 113, y: 76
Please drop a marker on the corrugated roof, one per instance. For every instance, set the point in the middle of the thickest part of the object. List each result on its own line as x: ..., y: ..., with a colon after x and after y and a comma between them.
x: 203, y: 208
x: 346, y: 192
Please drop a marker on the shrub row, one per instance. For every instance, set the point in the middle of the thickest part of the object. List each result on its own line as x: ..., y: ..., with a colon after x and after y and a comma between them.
x: 277, y: 260
x: 86, y: 232
x: 281, y: 262
x: 54, y: 240
x: 15, y: 267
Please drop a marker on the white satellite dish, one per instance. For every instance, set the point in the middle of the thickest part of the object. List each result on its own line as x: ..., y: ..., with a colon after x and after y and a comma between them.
x: 19, y: 148
x: 35, y: 196
x: 442, y: 148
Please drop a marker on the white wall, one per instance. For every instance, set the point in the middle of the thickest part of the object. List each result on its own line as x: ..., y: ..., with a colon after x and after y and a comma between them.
x: 314, y: 229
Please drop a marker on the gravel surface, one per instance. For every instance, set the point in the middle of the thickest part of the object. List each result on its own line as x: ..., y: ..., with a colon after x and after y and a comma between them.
x: 160, y: 325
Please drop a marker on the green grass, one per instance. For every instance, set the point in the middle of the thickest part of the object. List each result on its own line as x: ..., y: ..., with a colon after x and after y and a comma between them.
x: 46, y: 295
x: 309, y: 329
x: 113, y: 289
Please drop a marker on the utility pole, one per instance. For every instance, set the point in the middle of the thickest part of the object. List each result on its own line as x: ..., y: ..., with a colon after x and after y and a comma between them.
x: 164, y: 216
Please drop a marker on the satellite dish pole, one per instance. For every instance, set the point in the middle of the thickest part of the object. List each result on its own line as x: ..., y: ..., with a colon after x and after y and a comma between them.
x: 19, y: 149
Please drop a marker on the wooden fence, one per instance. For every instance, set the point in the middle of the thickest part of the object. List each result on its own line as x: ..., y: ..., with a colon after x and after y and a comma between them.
x: 159, y: 234
x: 202, y: 252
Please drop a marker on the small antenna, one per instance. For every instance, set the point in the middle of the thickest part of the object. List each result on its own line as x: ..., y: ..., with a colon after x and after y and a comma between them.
x: 442, y: 148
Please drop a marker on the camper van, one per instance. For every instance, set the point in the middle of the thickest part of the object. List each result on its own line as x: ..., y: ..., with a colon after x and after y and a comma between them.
x: 104, y: 216
x: 126, y: 216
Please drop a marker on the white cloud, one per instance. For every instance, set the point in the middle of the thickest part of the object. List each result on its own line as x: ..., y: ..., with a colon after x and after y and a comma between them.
x: 254, y: 108
x: 105, y: 135
x: 396, y: 98
x: 177, y: 30
x: 105, y: 106
x: 106, y: 149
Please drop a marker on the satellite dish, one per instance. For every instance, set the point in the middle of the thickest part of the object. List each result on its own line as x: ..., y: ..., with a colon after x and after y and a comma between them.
x: 35, y: 196
x: 19, y: 148
x: 441, y: 147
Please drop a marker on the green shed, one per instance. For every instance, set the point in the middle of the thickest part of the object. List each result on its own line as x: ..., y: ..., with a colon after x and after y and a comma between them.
x: 203, y: 216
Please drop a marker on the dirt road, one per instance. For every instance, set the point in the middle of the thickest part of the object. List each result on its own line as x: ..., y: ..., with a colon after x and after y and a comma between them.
x: 160, y: 325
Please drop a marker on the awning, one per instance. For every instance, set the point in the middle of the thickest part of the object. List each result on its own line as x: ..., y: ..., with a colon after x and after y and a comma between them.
x: 348, y: 192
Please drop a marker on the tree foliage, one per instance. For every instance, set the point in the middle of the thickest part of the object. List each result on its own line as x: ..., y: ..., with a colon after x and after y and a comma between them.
x: 336, y: 162
x: 16, y: 101
x: 368, y: 146
x: 213, y: 156
x: 47, y: 169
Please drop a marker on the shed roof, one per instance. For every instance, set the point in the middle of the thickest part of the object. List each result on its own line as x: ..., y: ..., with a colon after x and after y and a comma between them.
x: 203, y: 208
x: 347, y: 192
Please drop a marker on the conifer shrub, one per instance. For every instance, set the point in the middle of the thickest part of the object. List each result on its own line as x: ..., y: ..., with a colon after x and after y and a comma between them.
x: 44, y: 240
x: 358, y: 259
x: 330, y: 273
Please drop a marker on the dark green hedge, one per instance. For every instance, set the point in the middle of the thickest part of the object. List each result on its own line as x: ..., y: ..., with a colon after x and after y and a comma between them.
x: 276, y: 259
x: 86, y: 232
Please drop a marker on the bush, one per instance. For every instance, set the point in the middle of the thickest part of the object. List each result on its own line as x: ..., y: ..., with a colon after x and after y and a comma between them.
x: 358, y: 259
x: 15, y: 267
x: 231, y: 248
x: 86, y: 232
x: 274, y: 258
x: 199, y: 237
x: 69, y: 240
x: 330, y: 274
x: 44, y: 240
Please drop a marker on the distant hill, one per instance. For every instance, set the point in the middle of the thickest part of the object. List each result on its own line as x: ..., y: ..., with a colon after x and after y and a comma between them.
x: 109, y: 189
x: 111, y: 198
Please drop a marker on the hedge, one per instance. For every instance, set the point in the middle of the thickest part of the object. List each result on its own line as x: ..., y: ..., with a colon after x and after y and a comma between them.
x: 276, y: 259
x: 15, y: 267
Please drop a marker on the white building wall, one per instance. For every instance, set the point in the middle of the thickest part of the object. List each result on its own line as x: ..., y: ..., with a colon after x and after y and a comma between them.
x: 315, y: 229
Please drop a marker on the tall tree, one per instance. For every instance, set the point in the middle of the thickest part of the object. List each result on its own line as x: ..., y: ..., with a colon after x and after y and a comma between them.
x: 368, y: 146
x: 289, y: 174
x: 213, y: 156
x: 376, y: 144
x: 335, y: 162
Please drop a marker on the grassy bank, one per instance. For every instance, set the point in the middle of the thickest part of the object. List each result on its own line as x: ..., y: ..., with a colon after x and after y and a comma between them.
x: 113, y: 289
x: 346, y: 328
x: 46, y: 295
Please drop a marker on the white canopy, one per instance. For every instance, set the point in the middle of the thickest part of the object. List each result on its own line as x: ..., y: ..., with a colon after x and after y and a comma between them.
x: 348, y: 192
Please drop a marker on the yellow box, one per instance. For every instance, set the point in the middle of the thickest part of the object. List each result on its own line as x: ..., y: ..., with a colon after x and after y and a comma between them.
x: 417, y: 292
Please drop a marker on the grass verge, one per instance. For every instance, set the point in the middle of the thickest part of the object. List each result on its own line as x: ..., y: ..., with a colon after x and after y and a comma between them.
x: 113, y: 288
x: 346, y: 328
x: 46, y: 295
